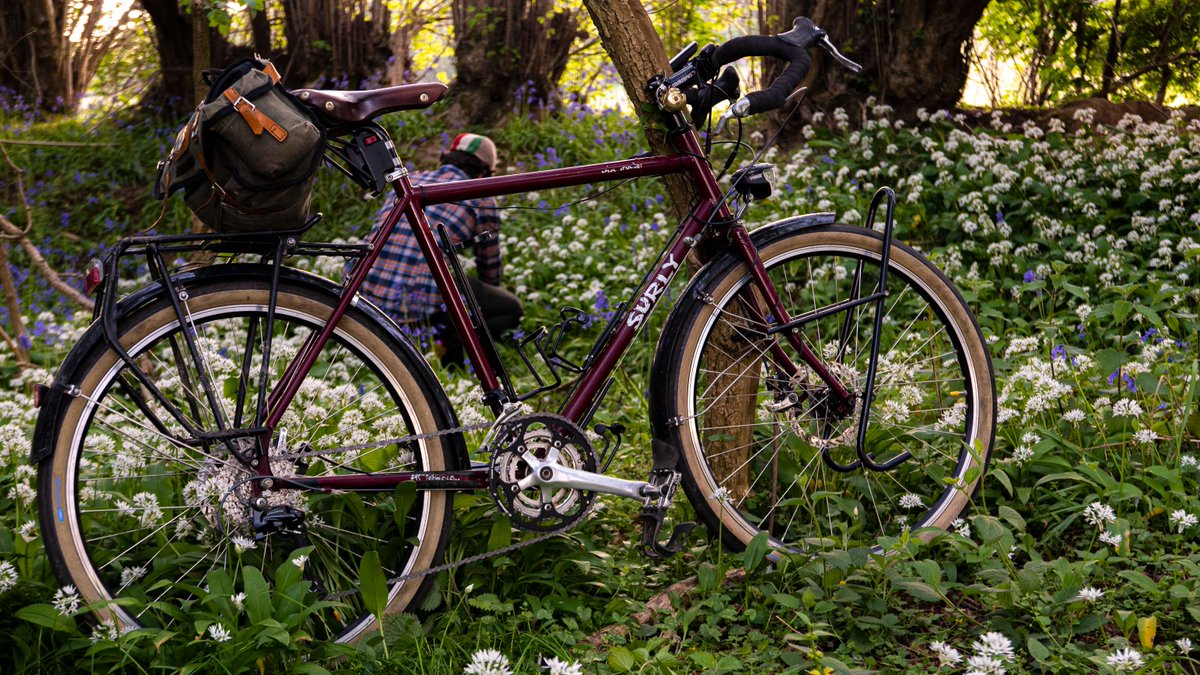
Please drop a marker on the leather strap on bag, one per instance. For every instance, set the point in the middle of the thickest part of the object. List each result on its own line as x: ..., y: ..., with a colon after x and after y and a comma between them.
x: 257, y: 119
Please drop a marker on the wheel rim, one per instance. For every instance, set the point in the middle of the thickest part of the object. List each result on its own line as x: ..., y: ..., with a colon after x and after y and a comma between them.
x: 773, y: 475
x: 187, y: 495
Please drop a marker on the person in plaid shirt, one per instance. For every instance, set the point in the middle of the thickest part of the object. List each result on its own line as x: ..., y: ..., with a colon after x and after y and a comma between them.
x: 400, y: 282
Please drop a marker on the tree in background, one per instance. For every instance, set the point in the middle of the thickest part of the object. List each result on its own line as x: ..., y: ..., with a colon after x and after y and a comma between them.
x: 1071, y: 49
x: 332, y: 39
x: 50, y: 49
x: 913, y: 52
x: 507, y: 46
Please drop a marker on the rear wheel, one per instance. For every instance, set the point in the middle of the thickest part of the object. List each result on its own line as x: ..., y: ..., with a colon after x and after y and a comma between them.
x: 142, y: 510
x: 759, y: 446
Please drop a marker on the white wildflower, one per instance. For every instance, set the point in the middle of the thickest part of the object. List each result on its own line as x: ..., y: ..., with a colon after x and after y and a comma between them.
x: 1110, y: 538
x: 1144, y: 437
x: 558, y: 666
x: 1098, y: 514
x: 1184, y: 644
x: 488, y: 662
x: 219, y: 633
x: 243, y: 544
x: 985, y: 665
x: 299, y: 561
x: 721, y: 494
x: 994, y: 644
x: 1189, y: 461
x: 130, y: 575
x: 28, y: 531
x: 66, y: 600
x: 1074, y: 416
x: 1183, y: 520
x: 947, y: 655
x: 1125, y: 659
x: 8, y: 576
x: 1022, y: 454
x: 239, y: 601
x: 1127, y: 407
x: 1089, y: 594
x: 107, y: 630
x: 1030, y: 438
x: 910, y: 501
x: 961, y: 527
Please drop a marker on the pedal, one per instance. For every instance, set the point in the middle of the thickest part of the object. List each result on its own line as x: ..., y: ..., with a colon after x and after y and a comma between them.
x: 665, y: 481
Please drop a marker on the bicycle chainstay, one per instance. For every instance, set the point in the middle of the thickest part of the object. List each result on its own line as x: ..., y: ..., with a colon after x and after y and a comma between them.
x: 290, y: 456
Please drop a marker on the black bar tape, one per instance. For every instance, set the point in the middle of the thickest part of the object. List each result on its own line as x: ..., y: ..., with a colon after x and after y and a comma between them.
x: 768, y: 45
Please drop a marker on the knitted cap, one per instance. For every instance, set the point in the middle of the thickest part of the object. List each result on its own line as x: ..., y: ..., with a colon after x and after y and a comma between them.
x: 481, y: 146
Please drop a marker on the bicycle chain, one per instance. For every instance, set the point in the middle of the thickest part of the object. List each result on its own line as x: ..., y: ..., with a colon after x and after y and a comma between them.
x: 290, y: 456
x: 466, y: 561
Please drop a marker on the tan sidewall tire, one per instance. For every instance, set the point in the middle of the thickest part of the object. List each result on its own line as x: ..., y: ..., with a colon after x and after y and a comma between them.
x: 831, y: 239
x: 423, y: 418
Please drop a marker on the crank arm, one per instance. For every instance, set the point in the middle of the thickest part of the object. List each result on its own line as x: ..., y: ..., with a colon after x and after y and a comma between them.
x: 549, y: 476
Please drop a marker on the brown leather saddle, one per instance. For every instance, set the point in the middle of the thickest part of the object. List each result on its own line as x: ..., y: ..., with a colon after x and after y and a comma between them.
x: 360, y: 106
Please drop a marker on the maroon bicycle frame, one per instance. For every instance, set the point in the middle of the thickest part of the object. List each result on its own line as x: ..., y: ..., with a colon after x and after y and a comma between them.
x: 410, y: 202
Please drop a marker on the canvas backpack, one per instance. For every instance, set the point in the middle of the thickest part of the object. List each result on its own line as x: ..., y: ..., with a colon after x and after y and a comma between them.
x: 247, y: 158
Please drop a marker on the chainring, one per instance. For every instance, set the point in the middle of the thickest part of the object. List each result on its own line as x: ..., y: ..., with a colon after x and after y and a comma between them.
x: 540, y: 508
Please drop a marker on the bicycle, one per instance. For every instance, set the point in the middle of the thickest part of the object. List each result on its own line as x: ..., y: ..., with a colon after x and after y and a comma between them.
x: 821, y: 383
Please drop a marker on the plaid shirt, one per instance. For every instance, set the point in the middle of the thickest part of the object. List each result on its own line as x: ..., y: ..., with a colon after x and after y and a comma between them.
x: 400, y: 282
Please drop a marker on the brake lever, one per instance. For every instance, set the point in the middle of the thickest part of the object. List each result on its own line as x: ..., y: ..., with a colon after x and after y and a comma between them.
x: 825, y: 44
x: 738, y: 109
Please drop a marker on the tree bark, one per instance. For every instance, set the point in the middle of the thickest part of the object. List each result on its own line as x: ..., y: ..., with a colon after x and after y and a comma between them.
x: 1112, y: 54
x: 34, y: 53
x: 914, y: 52
x: 178, y: 88
x: 629, y: 39
x: 332, y: 40
x: 507, y: 52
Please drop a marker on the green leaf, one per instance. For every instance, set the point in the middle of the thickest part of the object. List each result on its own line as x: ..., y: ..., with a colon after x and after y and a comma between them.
x: 1012, y: 517
x: 405, y: 496
x: 756, y: 551
x: 48, y: 617
x: 373, y: 583
x: 1143, y: 582
x: 1151, y: 315
x: 1037, y: 650
x: 258, y: 596
x: 501, y: 534
x: 1121, y: 310
x: 919, y: 590
x: 621, y: 660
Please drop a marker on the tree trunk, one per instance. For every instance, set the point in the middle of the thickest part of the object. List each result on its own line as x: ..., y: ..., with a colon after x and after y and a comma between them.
x: 630, y: 41
x: 178, y: 87
x: 1113, y: 53
x: 508, y: 53
x: 35, y: 53
x: 410, y: 18
x: 343, y: 42
x: 914, y: 52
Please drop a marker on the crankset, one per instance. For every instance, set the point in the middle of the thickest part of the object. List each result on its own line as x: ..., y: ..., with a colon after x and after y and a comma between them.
x: 543, y: 476
x: 529, y: 454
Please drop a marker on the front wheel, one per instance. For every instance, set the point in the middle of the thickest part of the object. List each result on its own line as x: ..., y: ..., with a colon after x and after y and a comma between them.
x: 140, y: 506
x: 765, y: 450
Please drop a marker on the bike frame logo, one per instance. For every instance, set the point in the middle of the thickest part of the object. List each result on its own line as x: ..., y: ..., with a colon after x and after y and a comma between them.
x: 637, y: 315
